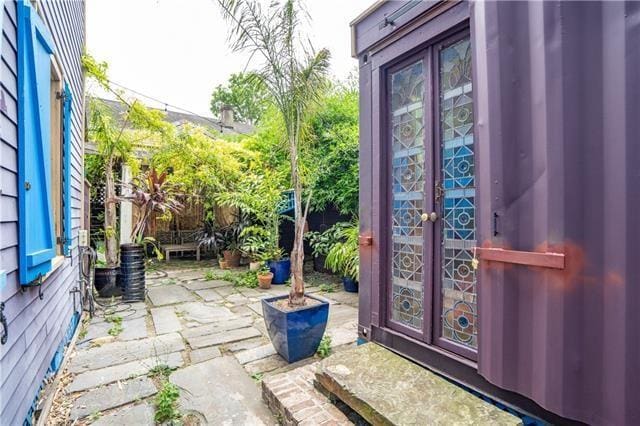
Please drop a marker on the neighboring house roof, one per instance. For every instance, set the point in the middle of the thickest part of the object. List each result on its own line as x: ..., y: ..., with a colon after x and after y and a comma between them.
x: 179, y: 119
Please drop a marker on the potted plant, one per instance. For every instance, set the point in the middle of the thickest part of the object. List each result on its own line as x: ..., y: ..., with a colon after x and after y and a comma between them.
x: 321, y: 243
x: 209, y: 237
x: 254, y: 245
x: 278, y: 264
x: 264, y: 277
x: 151, y: 194
x: 232, y: 241
x: 295, y: 75
x: 343, y: 257
x: 105, y: 278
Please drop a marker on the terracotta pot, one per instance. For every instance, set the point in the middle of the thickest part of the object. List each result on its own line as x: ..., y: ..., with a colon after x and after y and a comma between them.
x: 254, y: 266
x: 232, y: 257
x: 264, y: 280
x: 223, y: 264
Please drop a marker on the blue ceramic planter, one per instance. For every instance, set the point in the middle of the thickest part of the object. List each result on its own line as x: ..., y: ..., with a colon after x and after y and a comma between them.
x: 350, y: 285
x: 295, y: 334
x: 281, y: 270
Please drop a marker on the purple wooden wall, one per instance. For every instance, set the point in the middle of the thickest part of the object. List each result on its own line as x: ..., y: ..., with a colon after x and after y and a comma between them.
x: 557, y: 98
x: 36, y: 327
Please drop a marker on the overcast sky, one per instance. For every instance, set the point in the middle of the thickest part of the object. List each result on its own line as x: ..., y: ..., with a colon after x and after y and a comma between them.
x: 176, y: 50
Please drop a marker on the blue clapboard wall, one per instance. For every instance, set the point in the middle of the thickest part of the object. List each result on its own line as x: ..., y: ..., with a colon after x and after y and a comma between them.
x: 37, y: 327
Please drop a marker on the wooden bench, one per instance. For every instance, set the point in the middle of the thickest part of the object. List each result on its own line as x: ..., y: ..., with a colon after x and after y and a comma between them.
x: 180, y: 248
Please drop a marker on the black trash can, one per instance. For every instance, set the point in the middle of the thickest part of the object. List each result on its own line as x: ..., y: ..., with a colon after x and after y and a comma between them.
x: 132, y: 272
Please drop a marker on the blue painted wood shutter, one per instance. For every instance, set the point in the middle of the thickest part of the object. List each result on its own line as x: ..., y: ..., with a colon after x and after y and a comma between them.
x: 37, y: 238
x: 66, y: 173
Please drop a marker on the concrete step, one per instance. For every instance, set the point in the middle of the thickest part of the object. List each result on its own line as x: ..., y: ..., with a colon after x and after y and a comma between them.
x: 386, y: 389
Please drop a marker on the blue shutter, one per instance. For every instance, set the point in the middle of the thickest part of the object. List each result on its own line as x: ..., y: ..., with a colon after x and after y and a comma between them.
x: 37, y: 237
x: 66, y: 173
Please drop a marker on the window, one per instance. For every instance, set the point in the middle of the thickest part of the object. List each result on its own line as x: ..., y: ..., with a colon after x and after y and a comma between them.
x: 44, y: 119
x: 56, y: 96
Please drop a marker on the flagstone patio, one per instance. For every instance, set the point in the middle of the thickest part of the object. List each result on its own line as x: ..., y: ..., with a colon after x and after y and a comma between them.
x: 209, y: 334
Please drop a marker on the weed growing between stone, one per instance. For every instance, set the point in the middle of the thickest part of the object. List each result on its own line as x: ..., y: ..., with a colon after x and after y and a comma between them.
x: 166, y: 402
x: 116, y: 324
x: 257, y: 377
x: 324, y: 350
x: 247, y: 279
x: 327, y: 288
x: 161, y: 370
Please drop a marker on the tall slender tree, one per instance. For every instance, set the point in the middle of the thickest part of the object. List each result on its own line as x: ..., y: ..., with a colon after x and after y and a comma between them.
x: 295, y: 75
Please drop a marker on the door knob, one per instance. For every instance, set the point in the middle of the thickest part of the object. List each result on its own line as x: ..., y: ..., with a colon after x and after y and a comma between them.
x: 426, y: 217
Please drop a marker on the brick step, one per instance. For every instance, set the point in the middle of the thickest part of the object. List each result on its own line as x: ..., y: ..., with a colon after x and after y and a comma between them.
x: 386, y: 389
x: 292, y: 397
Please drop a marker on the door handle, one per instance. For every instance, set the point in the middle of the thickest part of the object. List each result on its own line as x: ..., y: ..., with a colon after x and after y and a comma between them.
x: 426, y: 217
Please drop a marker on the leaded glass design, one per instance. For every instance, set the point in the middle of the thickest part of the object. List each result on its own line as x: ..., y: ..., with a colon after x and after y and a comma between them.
x: 459, y: 309
x: 407, y: 121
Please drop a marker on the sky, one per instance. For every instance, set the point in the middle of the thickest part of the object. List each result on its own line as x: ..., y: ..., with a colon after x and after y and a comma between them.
x: 176, y: 50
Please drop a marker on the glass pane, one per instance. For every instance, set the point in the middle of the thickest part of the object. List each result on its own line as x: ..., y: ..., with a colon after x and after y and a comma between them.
x: 407, y: 121
x: 459, y: 310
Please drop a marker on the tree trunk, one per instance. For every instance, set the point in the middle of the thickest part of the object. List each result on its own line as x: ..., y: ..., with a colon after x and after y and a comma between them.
x: 110, y: 217
x: 296, y: 296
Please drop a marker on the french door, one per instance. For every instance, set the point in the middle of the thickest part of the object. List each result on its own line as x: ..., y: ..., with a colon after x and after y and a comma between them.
x: 431, y: 284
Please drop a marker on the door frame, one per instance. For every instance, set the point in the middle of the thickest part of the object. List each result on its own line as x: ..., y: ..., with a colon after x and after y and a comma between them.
x: 431, y: 332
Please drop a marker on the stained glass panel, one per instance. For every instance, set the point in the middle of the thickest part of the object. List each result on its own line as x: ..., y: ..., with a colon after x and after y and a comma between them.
x: 407, y: 121
x: 459, y: 309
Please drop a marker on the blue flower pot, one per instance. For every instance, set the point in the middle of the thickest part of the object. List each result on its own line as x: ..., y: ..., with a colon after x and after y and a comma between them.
x: 295, y: 334
x: 281, y: 270
x: 350, y: 285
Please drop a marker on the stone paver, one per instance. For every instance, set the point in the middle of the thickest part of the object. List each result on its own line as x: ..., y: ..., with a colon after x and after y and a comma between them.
x: 244, y: 345
x: 169, y: 295
x: 213, y: 396
x: 204, y: 354
x: 112, y: 396
x: 165, y: 320
x: 265, y: 365
x: 226, y: 291
x: 255, y: 353
x: 203, y: 313
x: 344, y: 334
x: 218, y: 327
x: 134, y: 329
x: 102, y: 376
x: 138, y: 415
x: 256, y: 307
x: 237, y: 299
x: 121, y: 352
x: 225, y: 343
x: 209, y: 295
x: 223, y: 337
x: 201, y: 285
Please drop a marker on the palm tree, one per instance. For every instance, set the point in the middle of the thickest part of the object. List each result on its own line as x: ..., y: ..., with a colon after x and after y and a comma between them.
x: 295, y: 76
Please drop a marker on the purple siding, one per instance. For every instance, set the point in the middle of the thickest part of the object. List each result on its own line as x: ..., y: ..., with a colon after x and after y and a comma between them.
x: 558, y: 108
x: 36, y: 327
x: 557, y: 119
